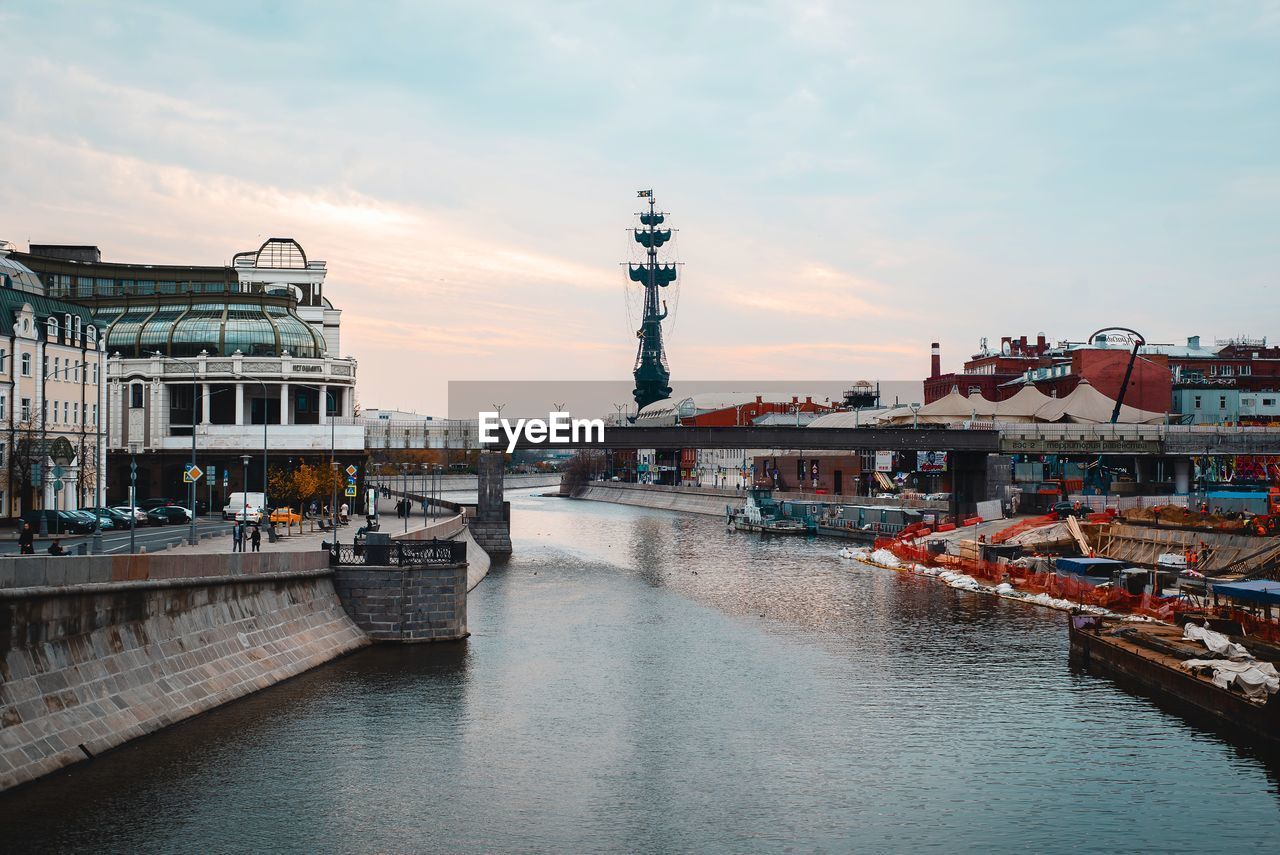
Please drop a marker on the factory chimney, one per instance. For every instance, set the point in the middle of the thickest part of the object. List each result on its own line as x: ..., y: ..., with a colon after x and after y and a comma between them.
x: 935, y: 361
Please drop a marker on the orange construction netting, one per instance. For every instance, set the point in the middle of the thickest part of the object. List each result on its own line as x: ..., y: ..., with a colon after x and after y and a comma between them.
x: 1024, y: 579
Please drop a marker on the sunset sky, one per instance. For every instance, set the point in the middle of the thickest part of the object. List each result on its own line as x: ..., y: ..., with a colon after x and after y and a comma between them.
x: 851, y: 180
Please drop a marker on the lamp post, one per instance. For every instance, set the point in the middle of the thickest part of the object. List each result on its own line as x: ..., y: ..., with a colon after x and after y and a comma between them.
x: 191, y: 535
x: 271, y: 532
x: 133, y: 495
x: 333, y: 448
x: 244, y: 476
x: 404, y: 493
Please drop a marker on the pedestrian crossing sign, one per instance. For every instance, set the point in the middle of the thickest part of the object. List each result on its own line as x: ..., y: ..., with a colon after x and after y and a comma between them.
x: 351, y: 490
x: 191, y: 473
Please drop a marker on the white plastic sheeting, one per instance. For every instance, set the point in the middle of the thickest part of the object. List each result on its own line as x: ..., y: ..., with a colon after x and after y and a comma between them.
x: 1215, y: 641
x: 1256, y: 680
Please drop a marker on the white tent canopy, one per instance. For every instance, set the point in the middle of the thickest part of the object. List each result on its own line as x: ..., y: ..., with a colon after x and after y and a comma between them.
x: 1086, y: 405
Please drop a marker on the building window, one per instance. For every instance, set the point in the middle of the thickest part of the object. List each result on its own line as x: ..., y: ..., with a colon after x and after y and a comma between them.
x: 1197, y: 402
x: 26, y: 365
x: 44, y: 411
x: 77, y: 329
x: 1246, y: 402
x: 1266, y: 402
x: 4, y: 361
x: 135, y: 396
x: 3, y: 407
x: 75, y: 413
x: 66, y: 328
x: 95, y: 375
x: 95, y: 415
x: 26, y: 409
x: 1228, y: 370
x: 1222, y: 402
x: 57, y: 368
x: 53, y: 327
x: 2, y: 450
x: 975, y: 390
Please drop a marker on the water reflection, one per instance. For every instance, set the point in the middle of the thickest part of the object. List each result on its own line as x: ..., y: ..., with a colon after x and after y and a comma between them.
x: 642, y: 681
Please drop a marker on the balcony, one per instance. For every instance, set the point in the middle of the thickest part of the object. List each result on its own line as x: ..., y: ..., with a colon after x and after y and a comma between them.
x: 301, y: 438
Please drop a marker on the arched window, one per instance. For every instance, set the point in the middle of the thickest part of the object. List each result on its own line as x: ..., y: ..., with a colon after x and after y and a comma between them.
x: 66, y: 326
x: 135, y: 396
x: 53, y: 327
x: 78, y: 328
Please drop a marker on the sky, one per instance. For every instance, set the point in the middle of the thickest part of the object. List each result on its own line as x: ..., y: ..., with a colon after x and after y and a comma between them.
x: 850, y: 181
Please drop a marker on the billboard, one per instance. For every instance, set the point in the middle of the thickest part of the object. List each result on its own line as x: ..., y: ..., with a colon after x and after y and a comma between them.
x: 884, y: 461
x: 931, y: 461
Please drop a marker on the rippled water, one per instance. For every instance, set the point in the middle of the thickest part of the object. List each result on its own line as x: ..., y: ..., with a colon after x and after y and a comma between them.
x: 642, y: 681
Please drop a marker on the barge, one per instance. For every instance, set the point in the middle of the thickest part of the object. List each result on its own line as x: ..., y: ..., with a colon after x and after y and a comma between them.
x: 1149, y: 658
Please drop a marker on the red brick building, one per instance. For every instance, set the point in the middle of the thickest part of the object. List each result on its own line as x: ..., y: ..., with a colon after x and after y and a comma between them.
x: 987, y: 372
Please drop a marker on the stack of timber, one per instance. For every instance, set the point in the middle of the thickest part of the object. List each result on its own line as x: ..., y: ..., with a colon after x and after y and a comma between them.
x: 1226, y: 553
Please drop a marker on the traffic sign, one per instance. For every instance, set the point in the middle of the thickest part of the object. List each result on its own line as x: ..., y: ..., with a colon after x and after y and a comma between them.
x: 352, y: 470
x: 191, y: 473
x: 212, y: 476
x: 57, y: 485
x: 351, y: 490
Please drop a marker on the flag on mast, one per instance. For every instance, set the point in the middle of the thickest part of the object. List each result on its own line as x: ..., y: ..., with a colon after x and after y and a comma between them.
x: 645, y: 194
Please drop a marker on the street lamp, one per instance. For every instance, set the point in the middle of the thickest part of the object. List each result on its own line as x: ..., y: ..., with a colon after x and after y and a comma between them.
x: 195, y: 371
x: 271, y: 531
x: 244, y: 476
x: 134, y: 448
x: 333, y: 446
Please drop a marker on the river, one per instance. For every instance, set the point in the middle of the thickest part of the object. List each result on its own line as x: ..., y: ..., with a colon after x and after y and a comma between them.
x: 642, y: 681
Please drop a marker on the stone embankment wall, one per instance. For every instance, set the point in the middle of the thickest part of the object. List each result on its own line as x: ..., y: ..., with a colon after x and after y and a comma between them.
x: 406, y: 604
x: 692, y: 500
x: 143, y: 642
x: 712, y: 500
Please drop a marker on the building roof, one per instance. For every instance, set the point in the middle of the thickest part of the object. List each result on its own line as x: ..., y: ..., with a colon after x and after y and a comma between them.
x: 12, y: 301
x: 18, y: 276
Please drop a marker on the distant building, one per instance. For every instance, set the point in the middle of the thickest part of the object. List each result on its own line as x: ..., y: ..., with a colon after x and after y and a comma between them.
x: 220, y: 351
x: 52, y: 453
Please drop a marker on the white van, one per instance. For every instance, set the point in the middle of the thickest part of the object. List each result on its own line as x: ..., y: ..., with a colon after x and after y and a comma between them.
x: 245, y: 507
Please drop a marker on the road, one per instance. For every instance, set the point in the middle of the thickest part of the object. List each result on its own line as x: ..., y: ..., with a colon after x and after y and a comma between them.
x: 117, y: 542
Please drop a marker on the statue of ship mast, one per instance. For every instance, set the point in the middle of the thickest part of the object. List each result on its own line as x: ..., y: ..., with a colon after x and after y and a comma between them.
x: 652, y: 373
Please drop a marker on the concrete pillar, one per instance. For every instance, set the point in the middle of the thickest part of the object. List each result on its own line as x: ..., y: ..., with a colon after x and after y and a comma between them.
x: 324, y: 404
x: 1182, y: 475
x: 491, y: 527
x: 284, y: 403
x: 204, y: 403
x: 240, y: 403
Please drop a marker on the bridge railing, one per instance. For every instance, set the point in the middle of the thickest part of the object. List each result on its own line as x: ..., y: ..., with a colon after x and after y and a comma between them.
x: 398, y: 553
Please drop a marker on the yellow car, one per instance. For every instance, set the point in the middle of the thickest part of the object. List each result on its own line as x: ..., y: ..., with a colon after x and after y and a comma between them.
x: 286, y: 516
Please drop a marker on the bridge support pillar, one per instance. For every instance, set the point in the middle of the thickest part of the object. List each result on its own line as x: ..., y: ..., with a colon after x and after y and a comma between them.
x: 491, y: 526
x: 403, y: 603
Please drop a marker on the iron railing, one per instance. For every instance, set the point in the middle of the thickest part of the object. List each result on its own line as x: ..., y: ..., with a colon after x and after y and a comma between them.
x: 398, y: 553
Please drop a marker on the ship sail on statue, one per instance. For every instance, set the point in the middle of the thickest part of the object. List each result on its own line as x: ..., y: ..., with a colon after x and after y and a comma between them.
x: 652, y: 372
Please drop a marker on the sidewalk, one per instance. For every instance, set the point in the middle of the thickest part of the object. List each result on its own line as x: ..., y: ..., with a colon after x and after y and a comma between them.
x: 308, y: 540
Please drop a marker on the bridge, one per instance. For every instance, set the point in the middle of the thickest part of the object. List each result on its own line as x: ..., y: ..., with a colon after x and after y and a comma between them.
x: 796, y: 438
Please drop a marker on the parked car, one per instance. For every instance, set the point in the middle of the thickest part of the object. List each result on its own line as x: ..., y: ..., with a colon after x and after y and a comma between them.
x: 244, y: 507
x: 119, y: 517
x: 102, y: 521
x: 168, y: 514
x: 151, y: 504
x: 1066, y: 509
x: 139, y: 514
x: 59, y: 522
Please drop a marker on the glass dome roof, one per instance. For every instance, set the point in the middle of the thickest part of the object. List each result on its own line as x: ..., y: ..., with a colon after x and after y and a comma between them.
x: 257, y: 327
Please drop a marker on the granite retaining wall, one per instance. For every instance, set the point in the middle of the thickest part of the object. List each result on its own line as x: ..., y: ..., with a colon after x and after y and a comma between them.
x: 88, y: 668
x: 699, y: 501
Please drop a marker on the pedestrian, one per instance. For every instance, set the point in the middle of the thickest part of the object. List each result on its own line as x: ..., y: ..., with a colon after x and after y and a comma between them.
x: 342, y: 513
x: 55, y: 548
x: 315, y: 508
x: 27, y: 540
x: 256, y: 539
x: 237, y: 537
